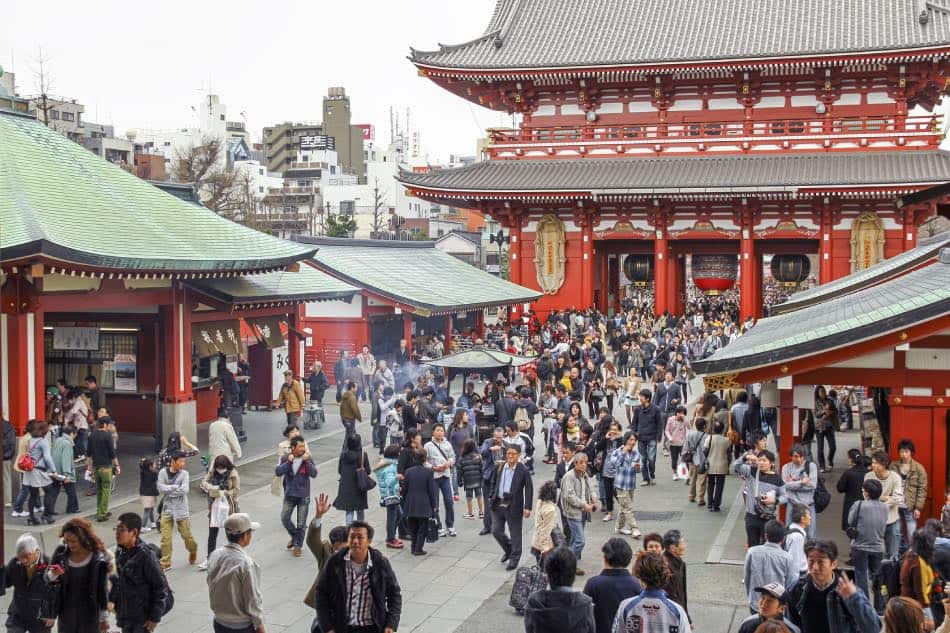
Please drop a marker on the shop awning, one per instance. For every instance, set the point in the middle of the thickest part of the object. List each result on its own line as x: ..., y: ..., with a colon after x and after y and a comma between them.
x: 62, y: 205
x: 415, y: 274
x: 276, y: 288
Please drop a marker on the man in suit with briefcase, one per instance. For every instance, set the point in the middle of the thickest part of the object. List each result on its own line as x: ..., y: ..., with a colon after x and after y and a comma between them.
x: 510, y: 498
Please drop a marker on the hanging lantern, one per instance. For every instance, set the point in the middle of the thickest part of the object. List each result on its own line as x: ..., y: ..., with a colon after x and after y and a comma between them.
x: 639, y: 269
x: 714, y: 274
x: 790, y: 270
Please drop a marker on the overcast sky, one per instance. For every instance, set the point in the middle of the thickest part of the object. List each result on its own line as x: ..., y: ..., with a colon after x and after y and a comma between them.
x: 136, y: 65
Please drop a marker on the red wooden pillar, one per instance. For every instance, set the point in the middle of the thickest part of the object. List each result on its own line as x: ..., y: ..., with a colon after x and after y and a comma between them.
x: 909, y: 226
x: 407, y: 331
x: 750, y: 277
x: 603, y: 272
x: 660, y: 272
x: 587, y: 264
x: 480, y: 324
x: 923, y: 420
x: 677, y: 286
x: 825, y: 246
x: 22, y: 363
x: 514, y: 252
x: 448, y: 333
x: 786, y: 423
x: 176, y: 327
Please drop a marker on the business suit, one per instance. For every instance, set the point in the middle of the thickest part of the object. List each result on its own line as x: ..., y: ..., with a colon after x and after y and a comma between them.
x: 519, y: 499
x: 421, y: 502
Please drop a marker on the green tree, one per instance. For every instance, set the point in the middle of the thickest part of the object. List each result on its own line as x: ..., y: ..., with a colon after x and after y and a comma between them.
x: 340, y: 225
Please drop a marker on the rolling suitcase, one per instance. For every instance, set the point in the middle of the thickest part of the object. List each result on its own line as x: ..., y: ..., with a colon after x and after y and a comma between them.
x: 527, y: 581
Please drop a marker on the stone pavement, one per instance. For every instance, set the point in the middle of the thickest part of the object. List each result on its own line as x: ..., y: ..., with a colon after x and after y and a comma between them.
x: 460, y: 586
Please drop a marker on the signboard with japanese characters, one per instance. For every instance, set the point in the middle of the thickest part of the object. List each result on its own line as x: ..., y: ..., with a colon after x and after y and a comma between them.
x: 267, y: 330
x: 76, y: 338
x: 217, y: 337
x: 280, y: 362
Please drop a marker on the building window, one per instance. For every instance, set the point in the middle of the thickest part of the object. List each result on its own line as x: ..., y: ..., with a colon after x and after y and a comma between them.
x: 222, y: 117
x: 260, y: 172
x: 54, y: 114
x: 347, y: 206
x: 69, y: 116
x: 260, y: 190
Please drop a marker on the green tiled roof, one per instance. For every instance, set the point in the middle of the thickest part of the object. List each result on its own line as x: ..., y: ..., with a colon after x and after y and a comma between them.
x: 916, y: 297
x: 926, y: 249
x: 60, y: 201
x: 307, y: 284
x: 415, y: 274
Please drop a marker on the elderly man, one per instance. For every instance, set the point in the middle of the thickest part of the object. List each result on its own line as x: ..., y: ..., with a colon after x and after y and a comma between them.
x: 578, y: 500
x: 291, y: 397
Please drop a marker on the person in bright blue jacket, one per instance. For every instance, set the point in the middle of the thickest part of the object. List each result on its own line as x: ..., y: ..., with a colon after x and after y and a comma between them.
x: 389, y: 497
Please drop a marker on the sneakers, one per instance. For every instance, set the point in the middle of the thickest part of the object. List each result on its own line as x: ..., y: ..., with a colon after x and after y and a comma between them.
x: 298, y: 552
x: 146, y: 528
x: 468, y: 515
x: 290, y: 544
x: 19, y: 514
x: 625, y: 531
x: 203, y: 566
x: 608, y: 517
x: 395, y: 544
x: 636, y: 533
x: 443, y: 532
x: 452, y: 532
x: 481, y: 515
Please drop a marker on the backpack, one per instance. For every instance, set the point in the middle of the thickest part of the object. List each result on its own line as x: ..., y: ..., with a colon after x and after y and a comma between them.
x: 169, y: 594
x: 522, y: 419
x: 822, y: 496
x: 889, y: 578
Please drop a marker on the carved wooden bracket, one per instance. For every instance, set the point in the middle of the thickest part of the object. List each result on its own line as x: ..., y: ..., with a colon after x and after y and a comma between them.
x: 586, y: 216
x: 826, y: 211
x: 660, y: 214
x: 748, y: 87
x: 662, y: 92
x: 747, y: 212
x: 828, y: 85
x: 588, y: 94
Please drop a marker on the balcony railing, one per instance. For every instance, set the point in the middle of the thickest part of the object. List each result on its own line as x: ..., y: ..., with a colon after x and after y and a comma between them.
x: 824, y: 131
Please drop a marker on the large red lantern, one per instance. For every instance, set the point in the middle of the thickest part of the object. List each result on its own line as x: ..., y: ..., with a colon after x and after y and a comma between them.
x: 714, y: 274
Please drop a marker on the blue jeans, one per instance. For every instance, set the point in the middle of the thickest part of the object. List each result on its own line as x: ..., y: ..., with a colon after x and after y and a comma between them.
x: 648, y: 454
x: 302, y: 505
x: 359, y: 515
x: 380, y: 431
x: 445, y: 486
x: 907, y: 517
x: 455, y: 481
x: 577, y: 536
x: 392, y: 519
x: 866, y: 563
x: 892, y: 538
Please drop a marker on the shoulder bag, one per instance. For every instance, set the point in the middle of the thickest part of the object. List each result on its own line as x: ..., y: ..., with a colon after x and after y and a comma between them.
x: 852, y: 529
x: 363, y: 481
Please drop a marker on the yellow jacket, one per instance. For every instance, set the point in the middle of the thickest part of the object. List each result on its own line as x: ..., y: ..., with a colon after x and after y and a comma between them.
x: 291, y: 397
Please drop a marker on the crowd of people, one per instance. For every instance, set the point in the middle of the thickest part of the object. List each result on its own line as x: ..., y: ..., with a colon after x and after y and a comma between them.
x: 605, y: 407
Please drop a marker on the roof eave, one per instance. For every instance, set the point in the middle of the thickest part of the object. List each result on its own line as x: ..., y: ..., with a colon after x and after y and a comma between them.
x: 61, y: 255
x: 815, y: 346
x: 652, y: 65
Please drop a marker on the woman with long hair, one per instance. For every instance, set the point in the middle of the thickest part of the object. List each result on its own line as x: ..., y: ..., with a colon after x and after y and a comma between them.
x: 77, y: 578
x: 221, y: 482
x: 904, y: 615
x: 917, y: 575
x: 40, y: 477
x: 176, y: 442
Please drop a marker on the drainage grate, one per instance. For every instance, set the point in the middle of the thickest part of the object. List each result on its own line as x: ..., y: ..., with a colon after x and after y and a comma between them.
x: 658, y: 516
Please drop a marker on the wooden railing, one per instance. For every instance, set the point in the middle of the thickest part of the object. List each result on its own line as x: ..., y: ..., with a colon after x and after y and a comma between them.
x: 754, y: 130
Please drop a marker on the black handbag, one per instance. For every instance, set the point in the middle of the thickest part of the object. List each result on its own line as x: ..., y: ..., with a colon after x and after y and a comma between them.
x: 363, y: 481
x: 432, y: 532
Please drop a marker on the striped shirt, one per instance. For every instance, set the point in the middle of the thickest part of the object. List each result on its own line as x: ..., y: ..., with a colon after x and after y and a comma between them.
x: 359, y: 602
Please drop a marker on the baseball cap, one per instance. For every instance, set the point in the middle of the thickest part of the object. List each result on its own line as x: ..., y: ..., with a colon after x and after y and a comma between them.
x: 239, y: 523
x: 775, y: 590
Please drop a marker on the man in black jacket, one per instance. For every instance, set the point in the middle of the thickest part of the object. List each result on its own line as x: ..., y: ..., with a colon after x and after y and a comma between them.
x: 510, y: 496
x: 648, y: 424
x: 492, y: 452
x: 357, y: 590
x: 139, y: 590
